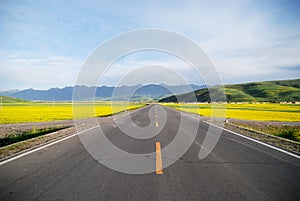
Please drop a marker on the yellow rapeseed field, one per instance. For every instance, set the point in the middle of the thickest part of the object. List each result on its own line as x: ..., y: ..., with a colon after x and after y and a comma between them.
x: 258, y: 112
x: 40, y: 112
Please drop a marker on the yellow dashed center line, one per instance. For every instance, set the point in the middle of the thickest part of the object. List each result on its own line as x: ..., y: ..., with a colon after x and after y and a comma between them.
x: 158, y: 159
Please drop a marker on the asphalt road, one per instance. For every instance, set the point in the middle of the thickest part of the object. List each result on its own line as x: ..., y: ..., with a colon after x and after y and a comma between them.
x: 236, y: 169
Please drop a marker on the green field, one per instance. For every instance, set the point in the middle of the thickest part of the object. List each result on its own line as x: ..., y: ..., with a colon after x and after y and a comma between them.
x: 19, y: 111
x: 256, y: 112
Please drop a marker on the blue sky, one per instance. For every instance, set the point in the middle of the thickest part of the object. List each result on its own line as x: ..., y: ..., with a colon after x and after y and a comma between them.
x: 44, y: 43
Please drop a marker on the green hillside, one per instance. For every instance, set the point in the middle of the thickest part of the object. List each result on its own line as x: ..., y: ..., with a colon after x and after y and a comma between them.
x: 7, y: 99
x: 269, y: 91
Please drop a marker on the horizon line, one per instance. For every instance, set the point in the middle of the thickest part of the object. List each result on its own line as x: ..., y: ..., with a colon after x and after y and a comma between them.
x: 62, y: 87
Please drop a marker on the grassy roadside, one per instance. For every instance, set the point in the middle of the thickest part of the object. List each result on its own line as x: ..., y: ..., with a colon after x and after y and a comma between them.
x: 285, y: 144
x: 35, y: 132
x: 22, y: 146
x: 291, y: 132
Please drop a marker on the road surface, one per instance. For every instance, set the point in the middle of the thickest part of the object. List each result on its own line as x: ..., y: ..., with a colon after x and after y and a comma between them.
x: 236, y: 169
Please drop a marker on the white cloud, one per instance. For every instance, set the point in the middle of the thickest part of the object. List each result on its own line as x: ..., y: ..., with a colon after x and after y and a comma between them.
x: 244, y: 40
x: 164, y: 67
x: 38, y: 72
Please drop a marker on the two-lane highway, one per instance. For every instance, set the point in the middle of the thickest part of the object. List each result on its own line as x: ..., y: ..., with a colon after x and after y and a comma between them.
x: 236, y: 169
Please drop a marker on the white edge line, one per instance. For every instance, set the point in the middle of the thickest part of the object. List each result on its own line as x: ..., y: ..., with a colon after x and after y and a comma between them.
x: 259, y: 142
x: 44, y: 146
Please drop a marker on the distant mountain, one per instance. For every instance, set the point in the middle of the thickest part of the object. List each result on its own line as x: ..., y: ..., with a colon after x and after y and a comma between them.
x: 269, y: 91
x: 140, y: 93
x: 9, y: 92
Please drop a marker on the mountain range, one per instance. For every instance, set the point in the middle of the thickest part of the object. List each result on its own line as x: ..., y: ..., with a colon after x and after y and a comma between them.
x: 141, y: 93
x: 268, y: 91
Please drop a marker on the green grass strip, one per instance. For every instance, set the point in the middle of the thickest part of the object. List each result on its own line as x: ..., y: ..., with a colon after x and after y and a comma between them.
x: 28, y: 135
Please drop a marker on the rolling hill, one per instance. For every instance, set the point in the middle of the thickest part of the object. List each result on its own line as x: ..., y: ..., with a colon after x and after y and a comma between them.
x: 7, y: 99
x: 269, y: 91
